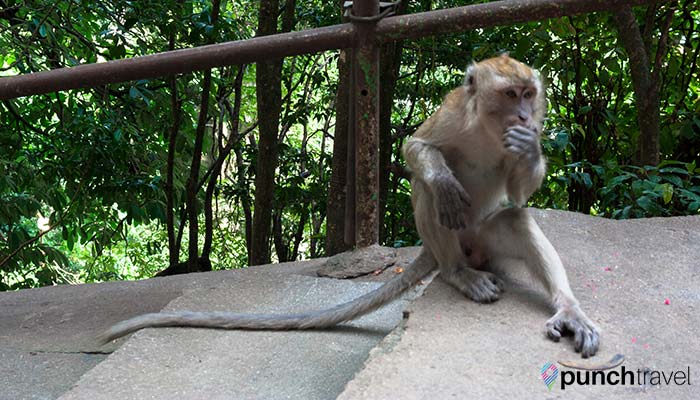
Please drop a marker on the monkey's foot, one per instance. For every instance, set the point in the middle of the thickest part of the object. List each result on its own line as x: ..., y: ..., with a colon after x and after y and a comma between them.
x: 480, y: 286
x: 572, y: 319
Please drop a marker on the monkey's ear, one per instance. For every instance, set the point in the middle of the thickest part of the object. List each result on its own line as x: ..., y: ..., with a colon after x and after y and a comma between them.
x: 470, y: 78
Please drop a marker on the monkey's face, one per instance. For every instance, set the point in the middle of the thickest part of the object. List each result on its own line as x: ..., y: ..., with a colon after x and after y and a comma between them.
x: 508, y: 93
x: 517, y: 105
x: 509, y: 104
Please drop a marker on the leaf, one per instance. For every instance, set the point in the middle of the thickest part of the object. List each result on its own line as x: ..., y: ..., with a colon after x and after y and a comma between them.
x: 521, y: 49
x: 587, y: 180
x: 118, y: 51
x: 135, y: 93
x: 626, y: 212
x: 55, y: 255
x: 46, y: 276
x: 645, y: 203
x: 676, y: 181
x: 674, y: 170
x: 561, y: 141
x: 666, y: 192
x: 694, y: 207
x: 130, y: 22
x: 611, y: 62
x: 689, y: 194
x: 616, y: 181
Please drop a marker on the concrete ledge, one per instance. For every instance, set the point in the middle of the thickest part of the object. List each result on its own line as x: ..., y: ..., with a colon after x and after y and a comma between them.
x: 621, y: 271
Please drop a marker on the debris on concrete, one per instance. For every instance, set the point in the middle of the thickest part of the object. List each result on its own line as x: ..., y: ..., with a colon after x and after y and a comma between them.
x: 355, y: 263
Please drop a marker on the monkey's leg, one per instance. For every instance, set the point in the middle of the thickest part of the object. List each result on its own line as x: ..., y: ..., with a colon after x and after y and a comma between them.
x: 444, y: 244
x: 513, y: 233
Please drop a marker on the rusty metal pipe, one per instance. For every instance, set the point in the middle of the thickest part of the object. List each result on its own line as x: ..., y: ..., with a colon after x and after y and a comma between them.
x: 366, y: 93
x: 179, y: 61
x: 294, y: 43
x: 413, y: 26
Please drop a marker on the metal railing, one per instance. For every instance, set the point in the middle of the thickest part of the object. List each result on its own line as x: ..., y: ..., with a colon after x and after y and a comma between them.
x: 365, y: 34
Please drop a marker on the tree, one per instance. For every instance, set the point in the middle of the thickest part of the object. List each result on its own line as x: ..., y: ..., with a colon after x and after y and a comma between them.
x: 645, y: 75
x: 269, y: 97
x: 390, y: 64
x: 337, y: 191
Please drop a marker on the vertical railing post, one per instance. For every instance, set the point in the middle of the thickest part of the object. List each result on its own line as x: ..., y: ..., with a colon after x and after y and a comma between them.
x: 366, y: 122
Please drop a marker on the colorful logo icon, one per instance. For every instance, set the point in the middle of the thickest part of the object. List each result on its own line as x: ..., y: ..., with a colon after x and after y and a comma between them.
x: 549, y: 373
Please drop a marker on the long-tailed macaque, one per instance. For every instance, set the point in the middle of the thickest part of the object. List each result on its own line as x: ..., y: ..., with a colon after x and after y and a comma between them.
x: 478, y: 151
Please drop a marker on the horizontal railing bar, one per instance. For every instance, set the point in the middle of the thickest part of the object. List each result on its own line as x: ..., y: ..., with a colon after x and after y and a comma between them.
x: 485, y: 15
x: 340, y: 36
x: 179, y: 61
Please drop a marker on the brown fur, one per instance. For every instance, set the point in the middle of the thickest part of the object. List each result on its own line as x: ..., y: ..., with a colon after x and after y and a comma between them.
x: 477, y: 152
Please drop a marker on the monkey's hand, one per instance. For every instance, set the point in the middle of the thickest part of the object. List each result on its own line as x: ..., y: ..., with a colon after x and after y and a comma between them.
x: 572, y: 319
x: 524, y: 143
x: 526, y: 170
x: 451, y: 200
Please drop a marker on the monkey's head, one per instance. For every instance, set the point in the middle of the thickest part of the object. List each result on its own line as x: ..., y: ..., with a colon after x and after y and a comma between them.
x: 506, y: 92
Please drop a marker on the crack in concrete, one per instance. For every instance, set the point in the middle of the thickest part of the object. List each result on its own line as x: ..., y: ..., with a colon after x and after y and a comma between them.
x: 35, y: 352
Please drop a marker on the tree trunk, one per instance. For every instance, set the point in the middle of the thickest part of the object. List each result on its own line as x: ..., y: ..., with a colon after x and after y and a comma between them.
x: 245, y: 199
x: 176, y: 109
x: 646, y: 84
x: 390, y: 62
x: 335, y: 209
x: 176, y: 106
x: 192, y: 186
x: 280, y: 244
x: 193, y: 180
x: 269, y: 99
x: 216, y: 167
x: 315, y: 248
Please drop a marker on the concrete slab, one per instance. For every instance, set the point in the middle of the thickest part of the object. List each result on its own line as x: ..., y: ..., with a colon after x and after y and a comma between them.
x: 30, y: 375
x: 621, y: 271
x: 47, y: 335
x: 199, y: 363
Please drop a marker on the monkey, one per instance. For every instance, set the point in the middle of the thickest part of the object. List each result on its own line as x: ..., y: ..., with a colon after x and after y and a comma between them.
x: 479, y: 150
x: 476, y: 154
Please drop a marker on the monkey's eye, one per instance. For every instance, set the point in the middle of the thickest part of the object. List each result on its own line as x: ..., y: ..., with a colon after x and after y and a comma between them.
x: 511, y: 93
x: 527, y: 94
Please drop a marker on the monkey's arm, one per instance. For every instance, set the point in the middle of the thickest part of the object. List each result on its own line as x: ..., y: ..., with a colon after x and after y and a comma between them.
x: 422, y: 150
x: 526, y: 166
x: 419, y: 268
x: 428, y: 164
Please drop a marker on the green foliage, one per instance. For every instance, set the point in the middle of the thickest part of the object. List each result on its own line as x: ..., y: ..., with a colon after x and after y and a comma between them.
x: 83, y: 172
x: 672, y: 188
x: 621, y: 191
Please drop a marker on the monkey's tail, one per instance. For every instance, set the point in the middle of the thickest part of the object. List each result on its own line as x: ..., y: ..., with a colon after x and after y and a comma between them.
x: 362, y: 305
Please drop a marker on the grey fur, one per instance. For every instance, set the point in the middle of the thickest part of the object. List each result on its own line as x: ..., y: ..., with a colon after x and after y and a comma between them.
x: 364, y: 304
